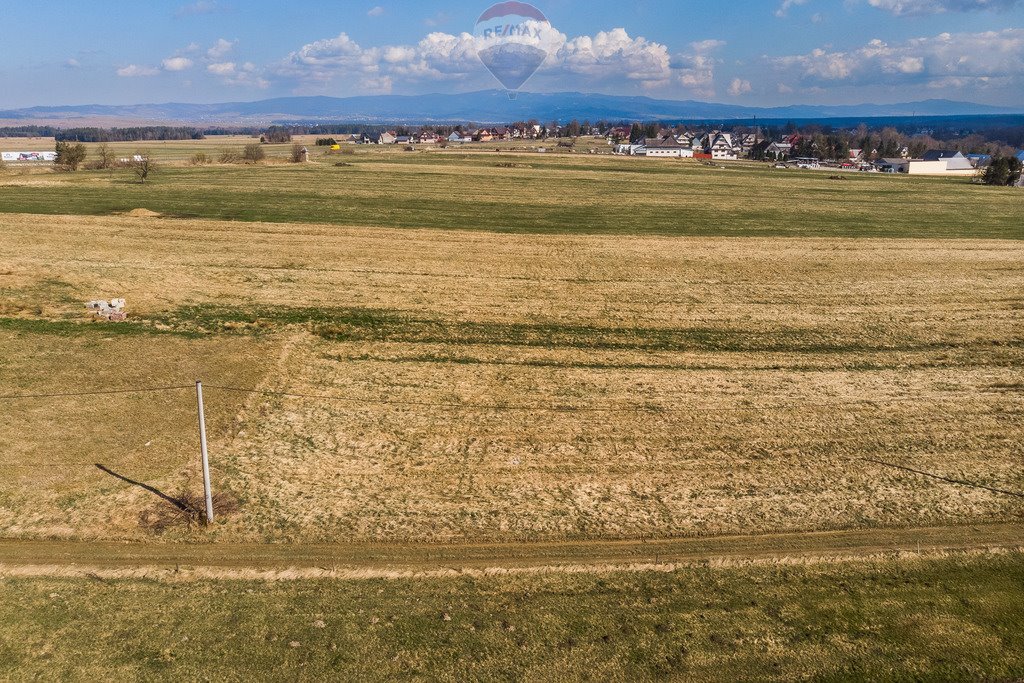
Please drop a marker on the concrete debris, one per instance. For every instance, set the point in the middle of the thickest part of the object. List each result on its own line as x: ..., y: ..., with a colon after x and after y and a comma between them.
x: 112, y: 310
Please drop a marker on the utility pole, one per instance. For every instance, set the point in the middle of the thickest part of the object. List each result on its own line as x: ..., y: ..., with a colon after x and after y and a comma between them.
x: 206, y: 458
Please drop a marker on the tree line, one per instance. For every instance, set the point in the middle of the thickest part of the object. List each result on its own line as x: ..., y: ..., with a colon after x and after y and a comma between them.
x: 137, y: 134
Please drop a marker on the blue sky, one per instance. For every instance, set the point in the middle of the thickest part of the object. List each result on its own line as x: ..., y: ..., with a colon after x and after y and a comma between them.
x: 746, y: 51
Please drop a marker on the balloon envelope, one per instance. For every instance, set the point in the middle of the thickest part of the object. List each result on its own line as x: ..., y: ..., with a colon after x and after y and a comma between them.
x: 512, y: 63
x: 511, y: 42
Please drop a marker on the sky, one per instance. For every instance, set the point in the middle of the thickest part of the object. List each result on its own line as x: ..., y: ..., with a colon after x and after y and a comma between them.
x: 753, y: 52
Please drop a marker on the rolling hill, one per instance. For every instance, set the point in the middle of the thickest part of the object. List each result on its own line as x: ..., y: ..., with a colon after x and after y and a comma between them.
x: 487, y: 106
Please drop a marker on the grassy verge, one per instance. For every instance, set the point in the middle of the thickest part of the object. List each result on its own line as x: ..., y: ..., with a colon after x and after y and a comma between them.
x: 396, y: 326
x: 926, y: 619
x: 364, y: 324
x: 563, y: 196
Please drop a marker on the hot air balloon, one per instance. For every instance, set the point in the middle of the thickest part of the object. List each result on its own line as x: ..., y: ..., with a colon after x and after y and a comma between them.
x: 511, y: 38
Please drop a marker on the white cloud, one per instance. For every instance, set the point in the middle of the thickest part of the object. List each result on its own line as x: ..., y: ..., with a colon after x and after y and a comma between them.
x: 919, y: 7
x: 787, y: 5
x: 992, y: 58
x: 695, y: 70
x: 133, y: 70
x: 221, y: 68
x: 377, y: 85
x: 198, y: 7
x: 72, y: 63
x: 615, y: 54
x: 909, y: 65
x: 702, y: 46
x: 439, y: 19
x: 221, y: 48
x: 739, y: 87
x: 608, y: 56
x: 177, y: 64
x: 244, y: 75
x: 375, y: 12
x: 323, y: 60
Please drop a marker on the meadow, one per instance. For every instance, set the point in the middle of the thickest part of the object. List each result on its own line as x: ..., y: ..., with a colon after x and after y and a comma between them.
x: 458, y: 348
x: 911, y: 619
x: 514, y: 191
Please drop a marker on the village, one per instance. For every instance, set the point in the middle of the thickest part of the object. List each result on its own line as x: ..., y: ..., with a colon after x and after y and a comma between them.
x: 988, y: 155
x: 788, y: 150
x: 862, y: 150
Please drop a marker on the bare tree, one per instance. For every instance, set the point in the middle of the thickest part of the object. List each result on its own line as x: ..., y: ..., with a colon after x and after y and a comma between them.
x: 253, y: 153
x: 105, y: 156
x: 142, y: 165
x: 230, y: 156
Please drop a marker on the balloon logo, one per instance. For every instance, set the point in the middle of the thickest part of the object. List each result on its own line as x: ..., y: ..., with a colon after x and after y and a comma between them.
x: 511, y: 37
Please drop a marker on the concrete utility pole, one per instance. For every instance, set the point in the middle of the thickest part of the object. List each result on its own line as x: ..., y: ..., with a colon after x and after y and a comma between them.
x: 202, y: 448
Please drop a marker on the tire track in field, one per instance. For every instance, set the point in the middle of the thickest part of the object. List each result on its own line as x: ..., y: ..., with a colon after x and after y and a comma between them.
x: 109, y: 560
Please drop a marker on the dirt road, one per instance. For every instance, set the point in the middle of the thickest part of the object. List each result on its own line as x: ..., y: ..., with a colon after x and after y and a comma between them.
x: 60, y: 558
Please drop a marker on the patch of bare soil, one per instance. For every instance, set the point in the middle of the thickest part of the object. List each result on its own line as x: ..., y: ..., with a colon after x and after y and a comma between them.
x: 186, y: 510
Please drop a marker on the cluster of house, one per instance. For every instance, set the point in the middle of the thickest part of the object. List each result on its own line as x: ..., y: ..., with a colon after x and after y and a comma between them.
x: 458, y: 136
x: 729, y: 146
x: 713, y: 145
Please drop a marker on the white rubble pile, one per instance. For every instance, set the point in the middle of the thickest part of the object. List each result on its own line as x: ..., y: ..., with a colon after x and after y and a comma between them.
x: 108, y: 310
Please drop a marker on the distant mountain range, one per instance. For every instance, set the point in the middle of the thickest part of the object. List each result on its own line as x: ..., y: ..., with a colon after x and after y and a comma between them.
x: 487, y: 106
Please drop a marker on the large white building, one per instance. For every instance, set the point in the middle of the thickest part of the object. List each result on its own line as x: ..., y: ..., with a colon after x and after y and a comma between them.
x: 667, y: 147
x: 934, y: 162
x: 721, y: 146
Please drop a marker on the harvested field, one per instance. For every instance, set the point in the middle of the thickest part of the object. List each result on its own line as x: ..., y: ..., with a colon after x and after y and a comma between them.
x: 75, y: 465
x: 462, y: 386
x: 629, y: 421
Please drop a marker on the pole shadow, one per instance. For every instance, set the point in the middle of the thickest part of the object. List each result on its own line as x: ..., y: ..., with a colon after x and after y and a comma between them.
x: 181, y: 505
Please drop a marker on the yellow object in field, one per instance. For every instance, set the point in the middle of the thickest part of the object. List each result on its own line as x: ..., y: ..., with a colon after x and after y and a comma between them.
x: 335, y: 147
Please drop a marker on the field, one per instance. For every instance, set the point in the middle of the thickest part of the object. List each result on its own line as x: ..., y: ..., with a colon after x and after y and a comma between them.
x: 954, y: 618
x: 525, y: 193
x: 465, y: 356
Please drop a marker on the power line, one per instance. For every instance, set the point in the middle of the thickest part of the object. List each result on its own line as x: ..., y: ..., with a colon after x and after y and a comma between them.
x: 960, y: 482
x: 589, y: 409
x: 931, y: 475
x: 98, y: 392
x: 454, y: 406
x: 805, y: 404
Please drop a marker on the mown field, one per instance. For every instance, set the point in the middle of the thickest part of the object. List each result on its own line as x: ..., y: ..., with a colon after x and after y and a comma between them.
x: 517, y: 192
x: 956, y: 618
x: 439, y: 385
x: 454, y: 347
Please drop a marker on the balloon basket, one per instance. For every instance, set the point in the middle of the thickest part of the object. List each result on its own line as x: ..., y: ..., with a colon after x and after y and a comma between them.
x: 512, y: 95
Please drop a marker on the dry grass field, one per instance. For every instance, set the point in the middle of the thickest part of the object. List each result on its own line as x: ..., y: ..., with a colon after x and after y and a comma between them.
x: 431, y: 350
x: 465, y: 386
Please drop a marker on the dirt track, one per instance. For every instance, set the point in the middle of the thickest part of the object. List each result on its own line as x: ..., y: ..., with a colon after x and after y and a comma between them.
x: 72, y: 558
